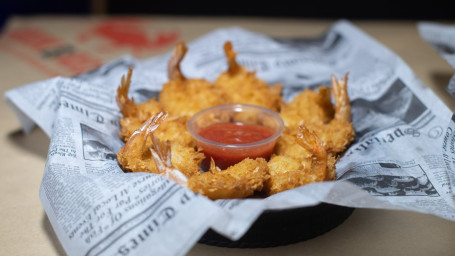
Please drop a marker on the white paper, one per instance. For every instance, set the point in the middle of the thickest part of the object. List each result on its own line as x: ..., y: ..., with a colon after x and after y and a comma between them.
x: 442, y: 38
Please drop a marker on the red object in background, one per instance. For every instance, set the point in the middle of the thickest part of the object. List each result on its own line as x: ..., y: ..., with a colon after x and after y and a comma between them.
x: 55, y: 55
x: 47, y: 52
x: 234, y: 134
x: 129, y: 33
x: 34, y: 38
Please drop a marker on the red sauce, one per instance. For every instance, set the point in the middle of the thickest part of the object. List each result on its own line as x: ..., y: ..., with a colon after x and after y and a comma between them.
x: 234, y: 134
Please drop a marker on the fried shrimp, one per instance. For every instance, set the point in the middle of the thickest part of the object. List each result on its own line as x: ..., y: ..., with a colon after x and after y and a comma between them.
x: 332, y: 124
x: 161, y: 153
x: 182, y: 96
x: 310, y: 106
x: 136, y: 155
x: 243, y: 86
x: 309, y: 165
x: 237, y: 181
x: 133, y: 114
x: 316, y: 131
x: 338, y: 133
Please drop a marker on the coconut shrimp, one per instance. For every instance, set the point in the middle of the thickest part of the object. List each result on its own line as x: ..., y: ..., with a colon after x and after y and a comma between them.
x: 332, y: 124
x: 157, y: 141
x: 310, y: 106
x: 161, y: 153
x: 136, y: 156
x: 337, y: 134
x: 237, y: 181
x: 308, y: 162
x: 134, y: 115
x: 243, y: 86
x: 185, y: 97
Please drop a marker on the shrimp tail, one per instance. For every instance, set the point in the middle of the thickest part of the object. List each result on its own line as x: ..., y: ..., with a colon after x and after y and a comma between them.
x: 310, y: 141
x: 132, y: 153
x: 213, y: 167
x: 126, y: 106
x: 161, y: 151
x: 234, y: 67
x: 340, y: 94
x: 147, y: 128
x: 173, y: 68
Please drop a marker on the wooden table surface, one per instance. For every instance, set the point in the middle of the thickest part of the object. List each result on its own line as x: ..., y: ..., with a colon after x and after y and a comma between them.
x: 25, y: 57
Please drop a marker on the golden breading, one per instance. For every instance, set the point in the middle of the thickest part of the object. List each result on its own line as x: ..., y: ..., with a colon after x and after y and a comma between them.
x: 185, y: 97
x: 309, y: 106
x: 288, y: 172
x: 238, y: 181
x: 243, y: 86
x: 133, y: 114
x: 331, y: 123
x: 136, y: 155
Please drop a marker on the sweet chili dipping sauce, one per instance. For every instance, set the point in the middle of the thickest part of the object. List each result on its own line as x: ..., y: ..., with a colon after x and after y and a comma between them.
x: 233, y: 132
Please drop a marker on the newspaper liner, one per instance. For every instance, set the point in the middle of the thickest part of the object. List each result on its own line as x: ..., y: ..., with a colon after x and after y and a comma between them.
x: 403, y: 157
x: 442, y: 38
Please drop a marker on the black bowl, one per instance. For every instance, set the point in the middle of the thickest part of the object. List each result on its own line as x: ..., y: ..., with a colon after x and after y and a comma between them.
x: 283, y: 227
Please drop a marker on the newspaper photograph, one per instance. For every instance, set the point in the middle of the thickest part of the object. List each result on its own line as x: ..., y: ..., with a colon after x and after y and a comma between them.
x: 402, y: 158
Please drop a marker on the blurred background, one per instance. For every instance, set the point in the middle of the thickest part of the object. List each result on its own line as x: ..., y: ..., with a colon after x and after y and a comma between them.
x: 384, y: 9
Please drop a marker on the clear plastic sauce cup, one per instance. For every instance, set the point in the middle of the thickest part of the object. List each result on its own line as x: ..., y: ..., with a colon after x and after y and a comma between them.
x: 230, y: 133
